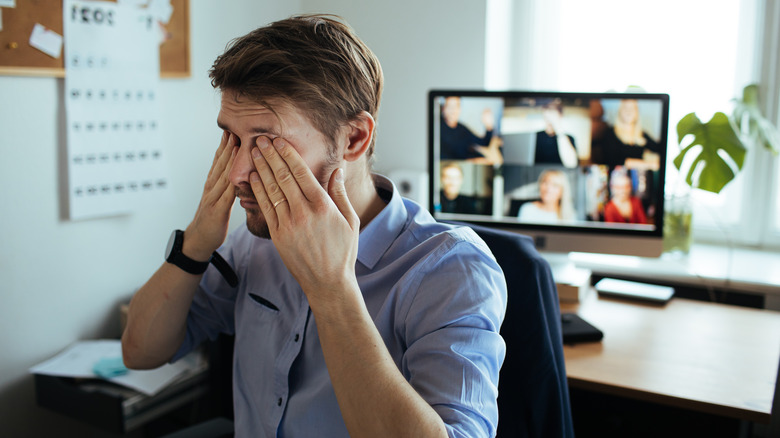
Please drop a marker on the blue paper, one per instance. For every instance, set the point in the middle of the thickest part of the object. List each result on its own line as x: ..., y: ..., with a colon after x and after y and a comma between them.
x: 110, y: 367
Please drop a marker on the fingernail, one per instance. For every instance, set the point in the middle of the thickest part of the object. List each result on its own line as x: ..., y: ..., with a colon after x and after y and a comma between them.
x: 262, y: 142
x: 278, y: 143
x: 254, y: 177
x: 256, y: 152
x: 339, y: 175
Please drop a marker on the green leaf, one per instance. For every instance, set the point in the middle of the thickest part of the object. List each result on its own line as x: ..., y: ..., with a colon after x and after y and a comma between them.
x: 752, y: 123
x: 750, y: 95
x: 716, y: 135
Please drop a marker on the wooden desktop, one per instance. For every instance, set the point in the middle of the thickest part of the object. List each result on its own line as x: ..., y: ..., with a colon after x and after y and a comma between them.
x: 711, y: 358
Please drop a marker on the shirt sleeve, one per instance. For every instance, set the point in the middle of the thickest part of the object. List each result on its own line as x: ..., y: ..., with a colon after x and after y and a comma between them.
x: 213, y: 307
x: 454, y: 350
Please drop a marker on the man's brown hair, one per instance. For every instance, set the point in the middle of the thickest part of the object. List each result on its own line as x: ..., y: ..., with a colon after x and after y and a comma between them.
x: 314, y: 62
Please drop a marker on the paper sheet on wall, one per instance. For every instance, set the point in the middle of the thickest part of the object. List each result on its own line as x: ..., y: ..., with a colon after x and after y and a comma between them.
x: 116, y: 162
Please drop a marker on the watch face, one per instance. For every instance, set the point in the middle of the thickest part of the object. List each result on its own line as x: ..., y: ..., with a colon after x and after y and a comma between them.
x: 171, y: 242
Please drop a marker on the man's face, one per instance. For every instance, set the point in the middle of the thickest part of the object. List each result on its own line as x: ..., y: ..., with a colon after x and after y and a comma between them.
x: 551, y: 116
x: 249, y: 120
x: 451, y: 180
x: 451, y: 110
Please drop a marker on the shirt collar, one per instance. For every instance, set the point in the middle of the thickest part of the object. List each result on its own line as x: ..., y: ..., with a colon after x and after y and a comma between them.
x: 381, y: 232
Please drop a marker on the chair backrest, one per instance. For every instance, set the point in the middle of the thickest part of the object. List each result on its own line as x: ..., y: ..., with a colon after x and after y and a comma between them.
x: 533, y: 395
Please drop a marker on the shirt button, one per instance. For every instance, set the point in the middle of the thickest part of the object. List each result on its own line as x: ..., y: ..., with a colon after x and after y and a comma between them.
x: 297, y: 337
x: 279, y: 402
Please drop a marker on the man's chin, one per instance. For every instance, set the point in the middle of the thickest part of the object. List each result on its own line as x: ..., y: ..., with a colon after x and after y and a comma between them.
x: 257, y: 225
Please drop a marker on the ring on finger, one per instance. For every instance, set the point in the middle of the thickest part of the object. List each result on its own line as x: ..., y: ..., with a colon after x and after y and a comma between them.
x: 279, y: 202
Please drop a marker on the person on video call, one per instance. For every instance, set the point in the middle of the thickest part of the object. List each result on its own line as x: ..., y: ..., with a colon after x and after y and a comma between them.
x: 458, y: 142
x: 553, y: 146
x: 623, y: 206
x: 356, y: 313
x: 555, y: 202
x: 451, y: 198
x: 626, y: 143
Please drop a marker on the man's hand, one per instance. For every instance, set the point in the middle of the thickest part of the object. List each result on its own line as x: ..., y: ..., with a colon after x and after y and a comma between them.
x: 157, y: 319
x: 491, y: 154
x: 208, y: 229
x: 316, y: 232
x: 488, y: 119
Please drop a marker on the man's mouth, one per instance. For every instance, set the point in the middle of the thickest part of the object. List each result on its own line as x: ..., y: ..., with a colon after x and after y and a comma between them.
x: 246, y: 200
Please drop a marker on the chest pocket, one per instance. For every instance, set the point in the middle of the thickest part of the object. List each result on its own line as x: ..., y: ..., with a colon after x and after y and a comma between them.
x: 263, y: 303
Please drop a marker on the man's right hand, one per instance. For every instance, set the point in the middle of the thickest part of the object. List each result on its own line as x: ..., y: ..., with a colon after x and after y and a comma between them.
x: 209, y: 228
x: 157, y: 319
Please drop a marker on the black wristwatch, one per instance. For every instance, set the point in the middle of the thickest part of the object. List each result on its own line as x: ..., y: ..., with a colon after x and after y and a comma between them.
x: 174, y: 256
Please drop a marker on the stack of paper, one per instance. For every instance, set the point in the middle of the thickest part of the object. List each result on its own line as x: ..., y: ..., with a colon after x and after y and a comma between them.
x: 79, y: 359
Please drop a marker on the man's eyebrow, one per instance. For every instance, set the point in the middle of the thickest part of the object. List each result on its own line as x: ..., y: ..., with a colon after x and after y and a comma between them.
x: 254, y: 130
x: 264, y: 130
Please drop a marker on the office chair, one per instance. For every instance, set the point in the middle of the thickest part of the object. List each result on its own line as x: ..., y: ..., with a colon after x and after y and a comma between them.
x: 533, y: 396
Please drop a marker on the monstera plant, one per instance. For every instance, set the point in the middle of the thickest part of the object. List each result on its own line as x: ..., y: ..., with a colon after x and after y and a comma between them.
x: 711, y: 156
x: 723, y: 142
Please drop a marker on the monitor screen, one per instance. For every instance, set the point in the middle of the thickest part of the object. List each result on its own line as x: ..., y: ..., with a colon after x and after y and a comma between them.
x: 576, y: 171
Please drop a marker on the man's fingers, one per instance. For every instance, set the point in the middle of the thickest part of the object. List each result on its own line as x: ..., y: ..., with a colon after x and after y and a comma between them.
x: 338, y: 193
x: 278, y: 180
x: 222, y: 145
x: 293, y: 175
x: 221, y: 159
x: 266, y: 206
x: 268, y: 177
x: 224, y: 185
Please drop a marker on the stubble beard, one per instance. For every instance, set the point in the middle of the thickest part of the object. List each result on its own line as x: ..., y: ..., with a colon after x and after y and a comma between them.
x: 256, y: 224
x: 255, y: 221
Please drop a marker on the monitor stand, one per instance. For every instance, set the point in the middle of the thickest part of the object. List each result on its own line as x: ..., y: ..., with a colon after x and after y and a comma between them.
x: 572, y: 282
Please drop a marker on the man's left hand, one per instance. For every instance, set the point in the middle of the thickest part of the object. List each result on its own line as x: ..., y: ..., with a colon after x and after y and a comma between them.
x: 316, y: 232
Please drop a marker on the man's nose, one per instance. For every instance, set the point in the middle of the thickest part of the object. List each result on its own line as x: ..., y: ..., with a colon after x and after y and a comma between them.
x: 242, y: 164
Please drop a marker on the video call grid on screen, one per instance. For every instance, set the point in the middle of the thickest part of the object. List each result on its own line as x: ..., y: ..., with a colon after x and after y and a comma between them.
x: 548, y: 159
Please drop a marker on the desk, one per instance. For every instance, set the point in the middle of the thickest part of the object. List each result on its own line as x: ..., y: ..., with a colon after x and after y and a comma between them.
x: 712, y: 358
x: 743, y: 270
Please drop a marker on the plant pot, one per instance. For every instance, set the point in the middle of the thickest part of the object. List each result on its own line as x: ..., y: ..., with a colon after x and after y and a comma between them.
x: 678, y: 218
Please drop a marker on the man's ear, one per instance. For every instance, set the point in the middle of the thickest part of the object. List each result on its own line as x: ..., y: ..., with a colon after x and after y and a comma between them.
x: 359, y: 136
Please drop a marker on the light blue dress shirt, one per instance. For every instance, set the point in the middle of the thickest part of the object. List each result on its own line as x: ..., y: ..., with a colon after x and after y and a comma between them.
x: 434, y: 291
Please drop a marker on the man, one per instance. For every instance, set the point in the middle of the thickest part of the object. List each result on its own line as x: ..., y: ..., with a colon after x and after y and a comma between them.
x: 452, y: 200
x: 355, y: 312
x: 457, y: 140
x: 553, y: 146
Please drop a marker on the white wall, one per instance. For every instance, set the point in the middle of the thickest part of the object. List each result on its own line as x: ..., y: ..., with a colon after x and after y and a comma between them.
x: 61, y: 281
x: 421, y: 45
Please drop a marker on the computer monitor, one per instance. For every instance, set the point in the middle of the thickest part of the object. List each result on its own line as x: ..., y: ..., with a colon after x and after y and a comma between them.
x: 576, y: 171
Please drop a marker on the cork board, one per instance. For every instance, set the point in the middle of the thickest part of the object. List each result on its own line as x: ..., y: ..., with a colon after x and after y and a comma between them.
x: 19, y: 58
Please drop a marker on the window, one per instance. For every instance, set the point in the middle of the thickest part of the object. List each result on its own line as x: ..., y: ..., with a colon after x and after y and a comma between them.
x: 702, y: 53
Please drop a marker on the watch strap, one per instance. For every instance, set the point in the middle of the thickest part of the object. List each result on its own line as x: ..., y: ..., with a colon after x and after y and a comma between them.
x: 176, y: 256
x: 225, y: 269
